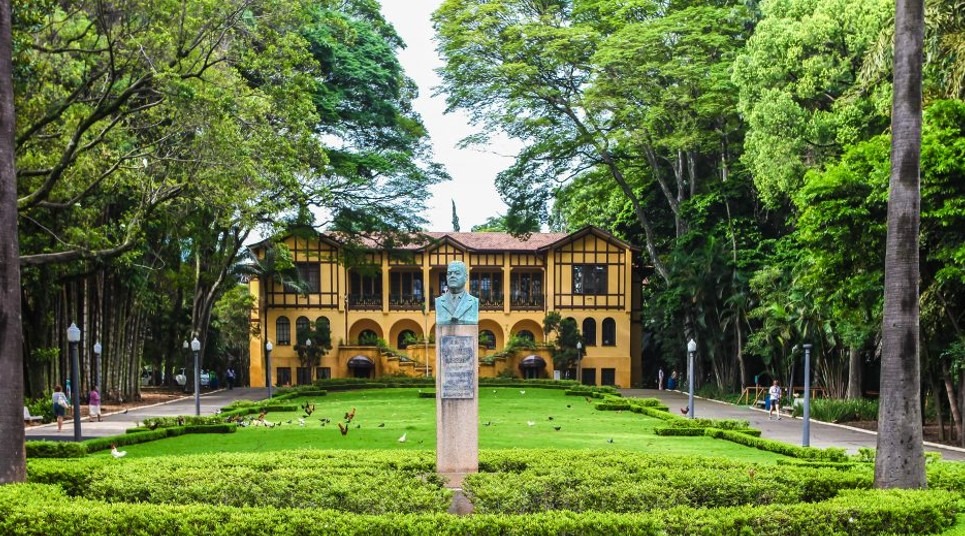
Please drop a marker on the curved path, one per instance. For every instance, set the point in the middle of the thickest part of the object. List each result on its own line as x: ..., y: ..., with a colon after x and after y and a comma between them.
x: 788, y: 429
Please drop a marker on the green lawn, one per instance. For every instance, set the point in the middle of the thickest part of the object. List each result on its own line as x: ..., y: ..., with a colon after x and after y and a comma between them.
x: 505, y: 417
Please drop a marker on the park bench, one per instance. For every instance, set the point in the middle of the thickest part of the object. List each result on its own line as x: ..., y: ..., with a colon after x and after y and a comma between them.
x: 30, y: 419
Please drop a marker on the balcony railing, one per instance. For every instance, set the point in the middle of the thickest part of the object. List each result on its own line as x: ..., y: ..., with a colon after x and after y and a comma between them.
x: 365, y: 301
x: 524, y: 302
x: 405, y: 302
x: 491, y: 301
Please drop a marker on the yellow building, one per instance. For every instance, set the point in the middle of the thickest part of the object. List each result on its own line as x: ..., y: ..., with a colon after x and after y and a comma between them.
x: 587, y: 275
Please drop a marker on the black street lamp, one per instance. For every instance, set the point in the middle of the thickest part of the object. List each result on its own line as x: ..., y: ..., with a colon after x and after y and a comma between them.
x: 268, y: 348
x: 96, y: 381
x: 73, y: 338
x: 691, y: 350
x: 196, y: 348
x: 806, y: 441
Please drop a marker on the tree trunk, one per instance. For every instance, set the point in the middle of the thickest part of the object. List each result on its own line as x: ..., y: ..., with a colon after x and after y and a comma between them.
x: 854, y: 372
x: 953, y: 405
x: 13, y: 461
x: 900, y: 460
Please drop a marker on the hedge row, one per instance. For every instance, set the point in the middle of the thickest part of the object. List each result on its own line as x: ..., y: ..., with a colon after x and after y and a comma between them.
x: 28, y: 510
x: 811, y: 453
x: 632, y: 482
x: 68, y: 449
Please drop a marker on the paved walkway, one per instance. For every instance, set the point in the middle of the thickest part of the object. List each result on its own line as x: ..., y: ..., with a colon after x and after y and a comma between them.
x: 788, y: 429
x: 116, y: 423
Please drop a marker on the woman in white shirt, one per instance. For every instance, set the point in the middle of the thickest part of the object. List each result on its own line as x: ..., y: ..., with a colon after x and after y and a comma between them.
x: 775, y: 394
x: 60, y: 406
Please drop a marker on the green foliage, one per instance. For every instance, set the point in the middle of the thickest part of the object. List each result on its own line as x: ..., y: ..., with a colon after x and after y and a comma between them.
x: 838, y: 410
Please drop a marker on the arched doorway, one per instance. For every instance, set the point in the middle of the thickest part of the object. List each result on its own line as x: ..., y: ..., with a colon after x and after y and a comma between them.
x: 533, y: 367
x: 361, y: 366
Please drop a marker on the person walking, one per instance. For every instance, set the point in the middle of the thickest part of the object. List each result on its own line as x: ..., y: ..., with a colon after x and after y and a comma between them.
x: 660, y: 379
x: 774, y: 393
x: 94, y: 405
x: 230, y: 378
x: 60, y: 406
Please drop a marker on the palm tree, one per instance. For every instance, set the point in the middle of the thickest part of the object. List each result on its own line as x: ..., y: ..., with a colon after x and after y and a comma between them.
x: 900, y: 460
x: 13, y: 468
x: 275, y: 266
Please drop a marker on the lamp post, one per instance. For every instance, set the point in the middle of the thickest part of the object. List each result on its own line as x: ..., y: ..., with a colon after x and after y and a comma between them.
x: 268, y: 348
x: 96, y: 381
x: 425, y: 335
x: 308, y: 353
x: 579, y: 361
x: 186, y: 346
x: 73, y: 338
x: 806, y: 441
x: 196, y: 348
x: 691, y: 350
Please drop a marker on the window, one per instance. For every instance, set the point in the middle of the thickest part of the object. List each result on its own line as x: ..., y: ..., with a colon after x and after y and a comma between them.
x: 405, y: 288
x: 487, y: 286
x: 527, y: 289
x: 323, y: 373
x: 303, y: 375
x: 368, y: 338
x: 589, y: 279
x: 405, y: 338
x: 589, y: 376
x: 487, y: 339
x: 609, y: 332
x: 589, y: 332
x: 302, y: 329
x: 283, y: 331
x: 310, y: 274
x: 283, y: 376
x: 526, y: 334
x: 608, y: 376
x: 366, y: 289
x: 323, y: 321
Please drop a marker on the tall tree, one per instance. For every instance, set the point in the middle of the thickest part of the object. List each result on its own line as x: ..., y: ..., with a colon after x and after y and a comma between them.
x: 455, y: 217
x: 900, y: 460
x: 12, y: 454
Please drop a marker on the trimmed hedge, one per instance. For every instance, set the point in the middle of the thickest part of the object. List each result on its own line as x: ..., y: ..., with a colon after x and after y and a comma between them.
x: 27, y: 509
x: 811, y: 453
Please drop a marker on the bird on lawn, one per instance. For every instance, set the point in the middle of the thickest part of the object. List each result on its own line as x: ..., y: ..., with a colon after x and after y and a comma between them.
x: 488, y: 423
x: 557, y: 428
x: 342, y: 428
x: 117, y: 453
x: 125, y: 412
x: 381, y: 425
x: 531, y: 423
x: 350, y: 415
x: 522, y: 392
x: 685, y: 410
x: 609, y: 440
x: 550, y: 417
x: 402, y: 439
x: 301, y: 422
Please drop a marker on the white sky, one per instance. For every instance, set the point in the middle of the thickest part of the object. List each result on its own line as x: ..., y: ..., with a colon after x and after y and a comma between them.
x: 473, y: 171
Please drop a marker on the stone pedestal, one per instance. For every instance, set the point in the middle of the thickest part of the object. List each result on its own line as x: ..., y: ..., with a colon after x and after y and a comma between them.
x: 457, y: 401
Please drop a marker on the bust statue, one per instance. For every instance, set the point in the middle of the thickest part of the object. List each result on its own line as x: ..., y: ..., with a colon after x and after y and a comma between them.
x: 455, y: 305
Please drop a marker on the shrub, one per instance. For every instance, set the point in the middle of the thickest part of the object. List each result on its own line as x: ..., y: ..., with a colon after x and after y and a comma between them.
x: 841, y: 410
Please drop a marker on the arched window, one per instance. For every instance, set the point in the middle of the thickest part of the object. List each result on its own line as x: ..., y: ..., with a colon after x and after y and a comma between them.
x: 322, y: 321
x: 487, y: 339
x: 589, y: 332
x: 283, y: 331
x: 609, y: 332
x: 368, y: 338
x: 407, y: 336
x: 302, y: 326
x: 526, y: 334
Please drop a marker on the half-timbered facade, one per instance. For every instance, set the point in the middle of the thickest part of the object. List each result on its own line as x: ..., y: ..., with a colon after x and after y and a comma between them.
x: 587, y: 275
